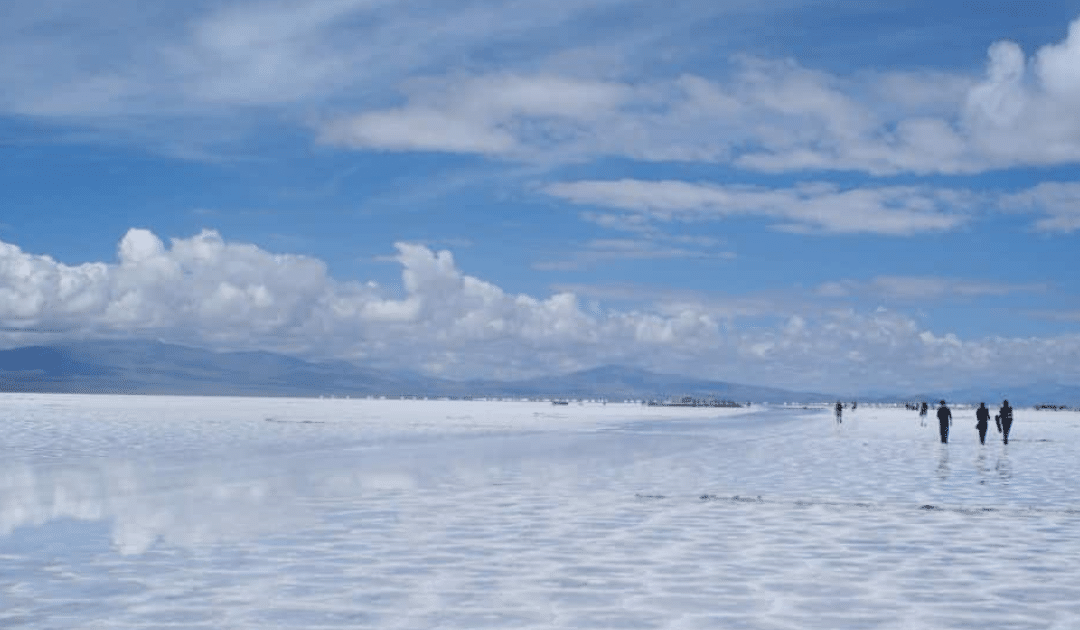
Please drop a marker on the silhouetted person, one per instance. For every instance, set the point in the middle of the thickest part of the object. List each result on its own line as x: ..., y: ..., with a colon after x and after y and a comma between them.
x: 982, y: 421
x: 854, y: 404
x: 839, y: 411
x: 922, y: 413
x: 944, y: 418
x: 1005, y: 414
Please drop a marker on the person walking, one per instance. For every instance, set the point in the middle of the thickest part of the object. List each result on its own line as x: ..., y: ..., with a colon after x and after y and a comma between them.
x: 982, y: 421
x: 922, y: 414
x: 1006, y: 417
x: 944, y: 418
x: 839, y: 411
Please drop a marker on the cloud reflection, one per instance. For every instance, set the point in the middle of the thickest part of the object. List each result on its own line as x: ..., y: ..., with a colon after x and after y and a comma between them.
x: 179, y: 506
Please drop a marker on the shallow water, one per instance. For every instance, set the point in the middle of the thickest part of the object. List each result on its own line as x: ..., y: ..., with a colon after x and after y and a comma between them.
x: 231, y: 513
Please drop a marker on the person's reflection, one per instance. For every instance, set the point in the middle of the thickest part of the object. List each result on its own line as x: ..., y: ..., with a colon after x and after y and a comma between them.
x: 943, y: 463
x: 1003, y: 467
x: 980, y: 466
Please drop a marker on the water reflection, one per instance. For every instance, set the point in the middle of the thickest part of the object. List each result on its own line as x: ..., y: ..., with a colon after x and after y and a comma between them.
x: 185, y: 506
x: 981, y: 466
x: 1003, y: 467
x: 943, y: 462
x: 198, y: 503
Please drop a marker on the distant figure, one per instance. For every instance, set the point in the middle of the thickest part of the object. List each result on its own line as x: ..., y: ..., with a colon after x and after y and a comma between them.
x: 944, y: 418
x: 1006, y: 418
x: 982, y: 420
x: 854, y: 405
x: 922, y: 413
x: 839, y: 412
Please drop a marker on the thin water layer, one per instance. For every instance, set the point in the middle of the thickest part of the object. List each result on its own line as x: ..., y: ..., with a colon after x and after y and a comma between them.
x: 252, y: 513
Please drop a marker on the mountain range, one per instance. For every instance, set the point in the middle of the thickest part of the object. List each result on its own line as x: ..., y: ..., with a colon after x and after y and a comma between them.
x: 123, y: 367
x: 147, y: 367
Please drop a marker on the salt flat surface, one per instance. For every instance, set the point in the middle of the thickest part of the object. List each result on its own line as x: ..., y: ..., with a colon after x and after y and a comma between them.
x: 157, y: 512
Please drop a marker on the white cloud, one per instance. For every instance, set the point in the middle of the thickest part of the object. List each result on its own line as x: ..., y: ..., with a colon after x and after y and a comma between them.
x: 275, y: 52
x: 420, y: 130
x: 1058, y: 202
x: 723, y: 308
x: 208, y: 291
x: 511, y: 92
x: 554, y: 118
x: 767, y: 116
x: 932, y: 287
x: 614, y: 249
x: 622, y: 222
x: 493, y: 114
x: 1010, y: 117
x: 908, y: 288
x: 816, y: 207
x: 104, y: 59
x: 196, y: 79
x: 812, y: 207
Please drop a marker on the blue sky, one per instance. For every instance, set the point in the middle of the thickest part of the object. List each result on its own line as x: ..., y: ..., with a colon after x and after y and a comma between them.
x: 802, y: 194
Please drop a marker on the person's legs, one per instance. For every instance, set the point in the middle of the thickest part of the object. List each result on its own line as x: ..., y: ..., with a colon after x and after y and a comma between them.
x: 943, y: 426
x: 982, y: 435
x: 1005, y: 426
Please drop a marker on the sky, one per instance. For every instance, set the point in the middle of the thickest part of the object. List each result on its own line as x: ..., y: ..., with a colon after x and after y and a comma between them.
x: 817, y: 195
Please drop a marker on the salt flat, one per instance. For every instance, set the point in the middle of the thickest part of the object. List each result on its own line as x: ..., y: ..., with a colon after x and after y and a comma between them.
x: 159, y: 512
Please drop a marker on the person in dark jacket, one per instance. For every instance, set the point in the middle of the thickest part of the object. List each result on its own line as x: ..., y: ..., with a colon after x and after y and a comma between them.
x: 944, y: 418
x: 1006, y: 416
x: 922, y: 414
x: 982, y: 421
x: 839, y: 411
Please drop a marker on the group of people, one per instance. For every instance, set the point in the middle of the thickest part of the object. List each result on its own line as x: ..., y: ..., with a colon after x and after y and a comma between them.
x: 1003, y: 419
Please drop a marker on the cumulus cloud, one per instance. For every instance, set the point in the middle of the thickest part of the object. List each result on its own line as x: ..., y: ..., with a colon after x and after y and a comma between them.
x: 1021, y: 117
x: 207, y: 291
x: 812, y: 207
x: 201, y: 283
x: 233, y: 295
x: 1019, y: 113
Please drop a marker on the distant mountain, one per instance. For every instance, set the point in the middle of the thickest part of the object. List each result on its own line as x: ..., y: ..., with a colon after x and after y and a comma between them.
x: 1018, y: 396
x: 133, y: 367
x: 157, y: 368
x: 1044, y: 394
x: 993, y: 395
x: 619, y: 382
